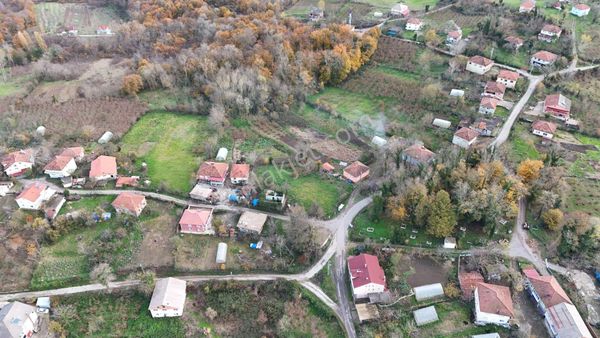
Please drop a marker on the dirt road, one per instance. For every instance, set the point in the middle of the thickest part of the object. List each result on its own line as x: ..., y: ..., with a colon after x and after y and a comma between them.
x: 518, y: 247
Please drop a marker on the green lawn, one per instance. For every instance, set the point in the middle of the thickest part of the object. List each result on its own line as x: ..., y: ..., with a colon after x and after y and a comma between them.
x: 163, y: 99
x: 12, y: 85
x: 325, y: 191
x: 87, y: 204
x: 349, y: 105
x: 167, y: 143
x: 502, y: 112
x: 522, y: 143
x: 519, y: 59
x: 583, y: 165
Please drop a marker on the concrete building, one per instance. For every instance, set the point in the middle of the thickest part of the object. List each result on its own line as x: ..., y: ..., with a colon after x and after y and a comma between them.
x: 168, y: 298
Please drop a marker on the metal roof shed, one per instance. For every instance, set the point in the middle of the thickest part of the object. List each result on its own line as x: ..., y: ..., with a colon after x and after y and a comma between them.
x: 425, y: 315
x: 442, y: 123
x: 428, y: 291
x: 221, y: 253
x: 379, y: 141
x: 222, y: 154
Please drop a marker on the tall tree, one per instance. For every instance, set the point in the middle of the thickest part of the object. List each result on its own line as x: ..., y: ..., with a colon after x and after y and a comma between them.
x: 441, y: 220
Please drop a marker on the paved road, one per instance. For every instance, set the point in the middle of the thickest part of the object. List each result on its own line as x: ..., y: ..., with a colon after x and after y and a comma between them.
x: 519, y: 248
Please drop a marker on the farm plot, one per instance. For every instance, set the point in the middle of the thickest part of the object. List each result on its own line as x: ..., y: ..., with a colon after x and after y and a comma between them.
x: 55, y: 17
x: 467, y: 23
x: 326, y: 146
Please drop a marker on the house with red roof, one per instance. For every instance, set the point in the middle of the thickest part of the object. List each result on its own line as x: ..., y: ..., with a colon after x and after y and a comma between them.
x: 103, y: 30
x: 213, y: 173
x: 417, y: 154
x: 543, y: 58
x: 488, y: 105
x: 129, y: 203
x: 414, y: 24
x: 468, y: 283
x: 103, y: 168
x: 558, y: 106
x: 356, y: 172
x: 514, y: 42
x: 34, y: 196
x: 196, y: 221
x: 400, y: 10
x: 78, y: 153
x: 479, y: 64
x: 493, y: 305
x: 327, y: 168
x: 580, y: 10
x: 494, y: 90
x: 549, y: 33
x: 366, y: 275
x: 465, y: 137
x: 240, y: 173
x: 127, y: 181
x: 508, y: 78
x: 453, y: 37
x: 544, y: 129
x: 527, y: 6
x: 18, y: 163
x: 60, y: 166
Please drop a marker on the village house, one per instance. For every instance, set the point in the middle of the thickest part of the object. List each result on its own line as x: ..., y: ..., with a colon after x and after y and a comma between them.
x: 60, y: 166
x: 580, y: 10
x: 315, y: 14
x: 417, y: 154
x: 468, y: 282
x: 5, y: 187
x: 213, y: 173
x: 197, y: 221
x: 103, y: 168
x: 493, y: 305
x: 485, y: 127
x: 356, y: 172
x: 507, y: 78
x: 544, y: 129
x: 527, y: 6
x: 414, y: 24
x: 18, y: 163
x: 465, y: 137
x: 34, y: 195
x: 78, y: 153
x: 103, y: 30
x: 240, y: 173
x: 202, y: 193
x: 558, y: 106
x: 453, y: 37
x: 549, y: 33
x: 561, y: 318
x: 327, y: 168
x: 366, y: 276
x: 168, y: 298
x: 543, y: 58
x: 129, y: 203
x: 127, y: 181
x: 488, y: 105
x: 557, y: 5
x: 514, y: 42
x: 18, y: 320
x: 479, y: 64
x: 400, y: 10
x: 252, y: 222
x: 494, y: 90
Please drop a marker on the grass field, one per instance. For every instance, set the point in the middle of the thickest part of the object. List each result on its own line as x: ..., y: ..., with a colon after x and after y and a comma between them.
x: 164, y: 99
x: 351, y: 106
x: 53, y: 17
x: 166, y: 142
x: 583, y: 165
x: 522, y: 143
x: 305, y: 190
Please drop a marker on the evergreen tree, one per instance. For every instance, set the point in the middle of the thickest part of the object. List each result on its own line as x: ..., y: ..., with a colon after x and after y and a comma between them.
x: 441, y: 220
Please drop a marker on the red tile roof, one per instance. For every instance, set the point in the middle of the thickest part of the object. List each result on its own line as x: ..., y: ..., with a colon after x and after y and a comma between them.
x: 509, y: 75
x: 547, y: 287
x: 528, y: 4
x: 495, y: 87
x: 129, y: 201
x: 365, y: 269
x: 75, y: 152
x: 419, y: 152
x: 468, y: 282
x: 33, y: 192
x: 558, y: 101
x: 195, y: 216
x: 552, y: 29
x: 240, y: 171
x: 58, y: 163
x: 356, y: 169
x: 545, y: 126
x: 467, y: 134
x: 215, y: 170
x: 545, y: 56
x: 414, y: 21
x: 489, y: 102
x: 480, y: 60
x: 126, y: 180
x: 582, y: 7
x: 103, y: 165
x: 514, y: 40
x: 327, y: 167
x: 495, y: 299
x: 455, y: 34
x: 17, y: 156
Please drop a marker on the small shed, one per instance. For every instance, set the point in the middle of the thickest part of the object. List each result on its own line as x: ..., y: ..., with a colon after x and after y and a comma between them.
x: 457, y: 92
x: 221, y: 154
x: 449, y: 243
x: 379, y: 141
x: 441, y: 123
x: 106, y: 137
x: 221, y: 253
x: 428, y: 291
x: 43, y: 303
x: 425, y: 315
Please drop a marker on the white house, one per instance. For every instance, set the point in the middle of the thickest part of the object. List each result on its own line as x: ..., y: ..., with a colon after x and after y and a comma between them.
x: 580, y: 10
x: 479, y: 64
x: 103, y: 30
x: 465, y: 137
x: 544, y: 129
x: 18, y: 162
x: 240, y: 173
x: 543, y: 58
x: 34, y: 196
x: 549, y: 33
x: 366, y: 276
x: 414, y: 24
x: 493, y: 305
x: 488, y: 105
x: 168, y: 298
x: 5, y: 187
x: 527, y: 6
x: 60, y: 166
x: 17, y: 320
x: 507, y: 78
x: 453, y: 37
x: 103, y: 168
